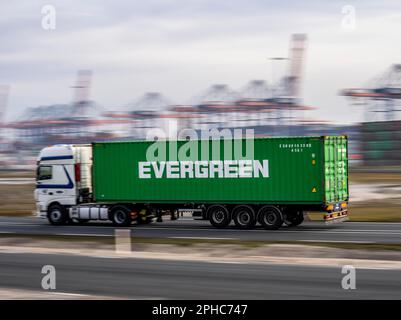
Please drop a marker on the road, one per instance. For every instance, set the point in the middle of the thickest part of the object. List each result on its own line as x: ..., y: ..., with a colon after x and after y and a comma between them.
x: 357, y: 232
x: 163, y: 279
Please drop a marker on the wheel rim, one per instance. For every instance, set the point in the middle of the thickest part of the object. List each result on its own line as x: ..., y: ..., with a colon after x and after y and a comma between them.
x: 55, y: 215
x: 269, y: 218
x: 244, y: 218
x: 218, y: 216
x: 120, y: 216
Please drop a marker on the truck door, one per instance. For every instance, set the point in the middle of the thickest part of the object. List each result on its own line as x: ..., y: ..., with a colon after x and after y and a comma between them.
x: 55, y: 182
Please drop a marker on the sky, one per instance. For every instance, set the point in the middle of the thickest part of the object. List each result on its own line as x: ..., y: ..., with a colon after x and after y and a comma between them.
x: 180, y: 48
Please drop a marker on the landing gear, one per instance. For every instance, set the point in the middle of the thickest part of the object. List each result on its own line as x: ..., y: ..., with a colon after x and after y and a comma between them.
x: 293, y: 218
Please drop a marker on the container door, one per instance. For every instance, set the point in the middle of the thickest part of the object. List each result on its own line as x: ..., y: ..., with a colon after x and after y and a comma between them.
x: 336, y: 169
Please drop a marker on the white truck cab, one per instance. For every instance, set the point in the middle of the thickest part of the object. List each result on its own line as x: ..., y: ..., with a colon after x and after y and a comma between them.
x: 63, y: 179
x: 63, y: 190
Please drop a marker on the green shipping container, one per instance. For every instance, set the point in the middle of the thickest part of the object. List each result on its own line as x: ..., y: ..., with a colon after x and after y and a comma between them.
x: 282, y: 170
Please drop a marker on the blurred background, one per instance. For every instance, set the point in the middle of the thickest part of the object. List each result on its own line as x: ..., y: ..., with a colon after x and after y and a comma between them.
x: 114, y: 71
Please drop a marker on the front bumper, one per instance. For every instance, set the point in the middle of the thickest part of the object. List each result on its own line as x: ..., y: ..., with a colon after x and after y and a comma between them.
x: 40, y: 212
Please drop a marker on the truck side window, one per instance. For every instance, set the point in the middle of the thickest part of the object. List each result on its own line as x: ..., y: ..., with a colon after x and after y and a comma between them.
x: 44, y: 173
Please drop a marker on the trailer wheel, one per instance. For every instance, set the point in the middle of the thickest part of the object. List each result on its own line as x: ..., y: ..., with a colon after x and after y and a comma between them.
x: 219, y: 216
x: 57, y: 215
x: 270, y: 217
x: 294, y: 218
x: 121, y: 216
x: 244, y: 217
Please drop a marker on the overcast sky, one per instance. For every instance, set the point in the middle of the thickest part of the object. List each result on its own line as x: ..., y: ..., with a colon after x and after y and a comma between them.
x: 181, y: 47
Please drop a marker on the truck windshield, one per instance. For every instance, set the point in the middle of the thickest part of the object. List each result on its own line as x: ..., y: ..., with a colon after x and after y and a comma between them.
x: 44, y: 173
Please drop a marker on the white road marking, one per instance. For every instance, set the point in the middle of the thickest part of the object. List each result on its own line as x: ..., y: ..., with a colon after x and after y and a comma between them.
x: 377, y: 268
x: 335, y: 241
x: 21, y: 224
x: 69, y: 294
x: 360, y: 232
x: 204, y: 238
x: 371, y: 222
x: 321, y: 231
x: 225, y: 261
x: 281, y: 232
x: 83, y: 234
x: 97, y: 297
x: 276, y: 232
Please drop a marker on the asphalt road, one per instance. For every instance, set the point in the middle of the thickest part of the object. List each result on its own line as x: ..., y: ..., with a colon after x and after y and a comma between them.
x: 357, y: 232
x: 163, y: 279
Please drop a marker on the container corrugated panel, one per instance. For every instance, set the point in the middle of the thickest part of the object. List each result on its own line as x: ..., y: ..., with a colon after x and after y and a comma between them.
x: 296, y: 172
x: 336, y: 168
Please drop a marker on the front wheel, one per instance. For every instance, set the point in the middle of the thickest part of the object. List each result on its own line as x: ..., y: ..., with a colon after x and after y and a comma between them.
x: 121, y: 216
x: 270, y: 217
x: 219, y: 216
x: 57, y: 215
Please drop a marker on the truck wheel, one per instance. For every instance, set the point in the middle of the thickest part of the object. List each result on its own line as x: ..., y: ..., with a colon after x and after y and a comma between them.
x: 121, y: 216
x: 294, y: 218
x: 219, y: 216
x: 244, y: 217
x: 57, y: 215
x: 270, y: 217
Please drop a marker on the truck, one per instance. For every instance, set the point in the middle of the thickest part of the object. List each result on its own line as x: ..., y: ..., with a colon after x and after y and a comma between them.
x: 277, y: 182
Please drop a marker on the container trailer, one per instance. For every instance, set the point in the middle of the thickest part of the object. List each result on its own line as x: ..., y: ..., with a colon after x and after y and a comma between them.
x: 125, y: 182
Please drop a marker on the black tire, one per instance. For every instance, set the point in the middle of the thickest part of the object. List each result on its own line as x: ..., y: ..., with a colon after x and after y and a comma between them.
x: 244, y: 217
x: 270, y: 217
x: 219, y: 216
x: 57, y: 215
x: 294, y: 218
x: 121, y: 216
